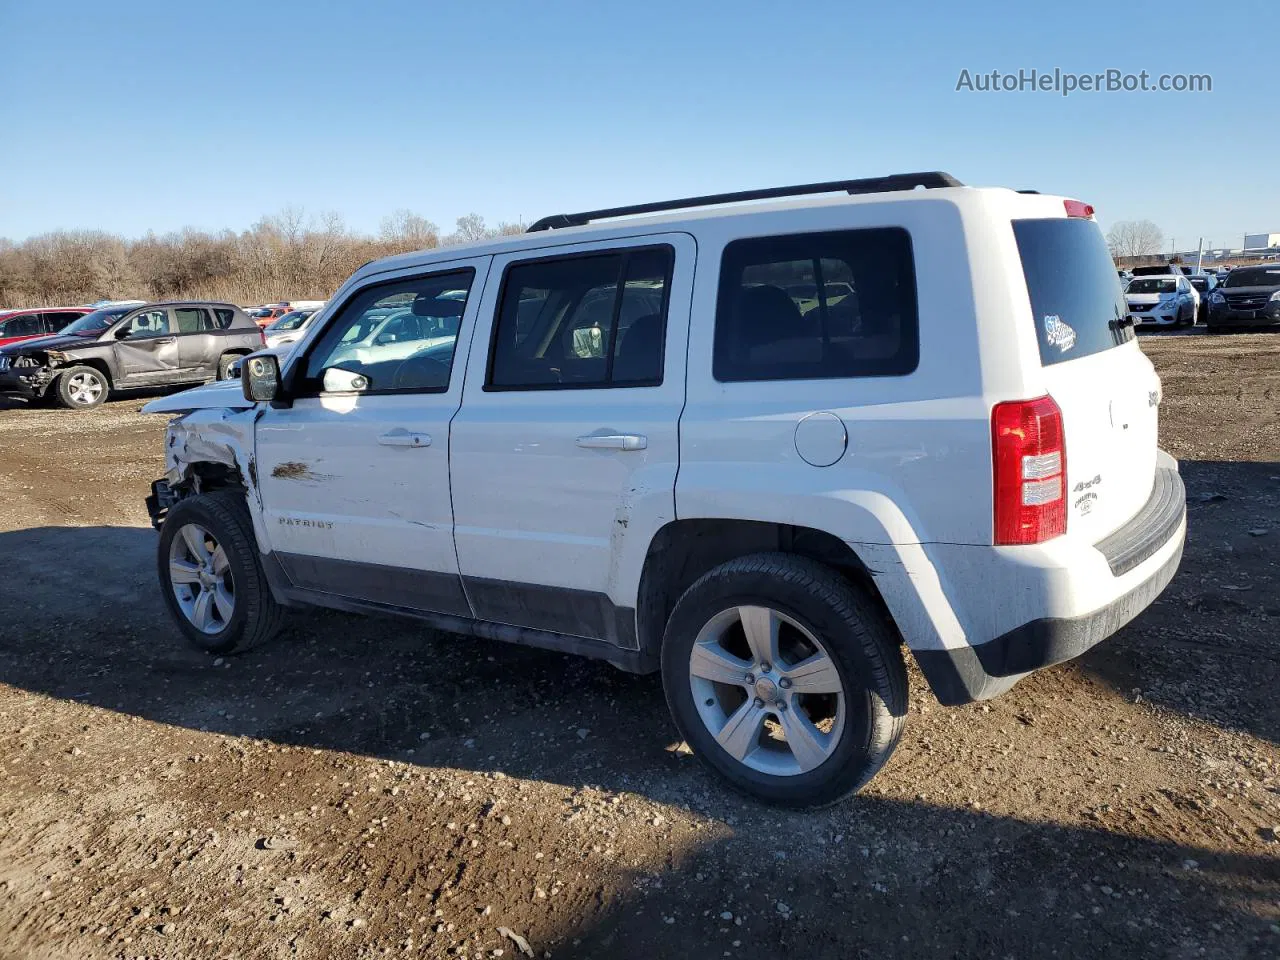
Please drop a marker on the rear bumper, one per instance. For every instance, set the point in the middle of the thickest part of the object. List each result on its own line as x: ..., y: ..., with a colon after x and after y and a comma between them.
x: 1139, y: 559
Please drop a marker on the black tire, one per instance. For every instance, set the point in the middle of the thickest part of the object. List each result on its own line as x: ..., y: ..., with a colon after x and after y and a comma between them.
x: 851, y: 628
x: 67, y: 388
x: 225, y: 361
x: 256, y: 617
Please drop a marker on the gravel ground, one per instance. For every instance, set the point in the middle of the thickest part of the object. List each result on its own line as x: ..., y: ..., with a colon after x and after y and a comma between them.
x: 367, y: 787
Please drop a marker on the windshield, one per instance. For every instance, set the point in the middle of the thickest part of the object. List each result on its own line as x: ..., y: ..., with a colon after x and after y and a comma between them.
x: 92, y: 324
x: 1253, y: 277
x: 290, y: 321
x: 1200, y: 283
x: 1152, y: 285
x: 1075, y: 295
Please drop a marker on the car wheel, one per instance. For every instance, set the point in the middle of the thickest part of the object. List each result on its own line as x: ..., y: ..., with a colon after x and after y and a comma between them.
x: 79, y: 388
x: 224, y: 365
x: 211, y: 576
x: 784, y: 679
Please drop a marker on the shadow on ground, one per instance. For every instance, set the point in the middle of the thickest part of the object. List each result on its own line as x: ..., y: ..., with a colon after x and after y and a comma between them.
x: 1210, y: 645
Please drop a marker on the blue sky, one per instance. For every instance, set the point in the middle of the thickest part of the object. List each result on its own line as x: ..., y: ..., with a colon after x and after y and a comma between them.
x: 136, y: 115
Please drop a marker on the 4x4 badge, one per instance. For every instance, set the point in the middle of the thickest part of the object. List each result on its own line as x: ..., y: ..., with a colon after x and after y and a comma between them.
x: 1059, y: 334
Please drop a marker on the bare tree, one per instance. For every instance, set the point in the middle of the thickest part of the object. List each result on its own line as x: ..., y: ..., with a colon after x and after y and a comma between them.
x: 1135, y: 238
x: 470, y: 229
x: 405, y: 230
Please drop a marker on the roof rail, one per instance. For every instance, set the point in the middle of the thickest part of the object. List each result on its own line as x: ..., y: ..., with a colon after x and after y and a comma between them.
x: 898, y: 181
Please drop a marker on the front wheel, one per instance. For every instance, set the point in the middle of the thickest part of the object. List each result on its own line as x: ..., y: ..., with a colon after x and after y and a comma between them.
x: 211, y: 576
x: 79, y: 388
x: 784, y: 679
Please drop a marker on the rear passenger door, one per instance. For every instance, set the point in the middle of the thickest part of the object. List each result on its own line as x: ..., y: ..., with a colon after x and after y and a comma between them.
x: 197, y: 344
x: 563, y: 456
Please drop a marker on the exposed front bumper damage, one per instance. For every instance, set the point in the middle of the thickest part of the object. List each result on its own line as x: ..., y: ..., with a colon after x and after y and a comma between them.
x: 27, y: 380
x: 211, y: 436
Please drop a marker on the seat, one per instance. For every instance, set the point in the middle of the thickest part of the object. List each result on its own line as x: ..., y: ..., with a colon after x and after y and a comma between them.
x: 769, y: 323
x: 639, y: 355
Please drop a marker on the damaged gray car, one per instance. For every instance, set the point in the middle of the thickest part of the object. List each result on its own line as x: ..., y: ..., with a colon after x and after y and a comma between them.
x: 129, y: 347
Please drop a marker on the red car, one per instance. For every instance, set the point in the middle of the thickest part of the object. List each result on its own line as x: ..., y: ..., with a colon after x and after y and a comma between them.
x: 265, y: 316
x: 18, y: 325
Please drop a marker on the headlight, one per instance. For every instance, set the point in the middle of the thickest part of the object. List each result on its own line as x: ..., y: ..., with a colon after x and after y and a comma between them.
x: 1276, y: 295
x: 1216, y: 297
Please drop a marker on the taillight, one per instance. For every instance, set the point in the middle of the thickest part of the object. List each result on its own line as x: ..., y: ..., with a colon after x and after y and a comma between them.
x: 1030, y: 458
x: 1078, y: 208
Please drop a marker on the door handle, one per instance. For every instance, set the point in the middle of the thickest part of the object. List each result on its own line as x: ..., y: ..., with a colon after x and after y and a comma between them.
x: 613, y: 441
x: 403, y: 438
x: 167, y: 340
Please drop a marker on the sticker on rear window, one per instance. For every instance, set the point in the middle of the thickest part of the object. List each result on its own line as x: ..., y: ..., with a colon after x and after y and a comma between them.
x: 1057, y: 333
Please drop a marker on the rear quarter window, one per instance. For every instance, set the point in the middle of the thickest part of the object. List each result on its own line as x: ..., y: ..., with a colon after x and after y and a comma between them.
x: 817, y: 306
x: 1076, y: 300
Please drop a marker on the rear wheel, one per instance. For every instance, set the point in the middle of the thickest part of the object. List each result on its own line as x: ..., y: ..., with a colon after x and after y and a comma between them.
x: 224, y: 365
x: 79, y: 388
x: 211, y: 576
x: 784, y: 679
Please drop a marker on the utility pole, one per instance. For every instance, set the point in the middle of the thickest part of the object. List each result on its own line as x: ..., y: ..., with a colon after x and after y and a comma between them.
x: 1200, y: 255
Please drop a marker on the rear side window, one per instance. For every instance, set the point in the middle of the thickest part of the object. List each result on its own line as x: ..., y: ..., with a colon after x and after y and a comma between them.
x: 597, y: 320
x: 223, y: 317
x: 27, y: 325
x: 817, y: 305
x: 191, y: 319
x: 1076, y: 300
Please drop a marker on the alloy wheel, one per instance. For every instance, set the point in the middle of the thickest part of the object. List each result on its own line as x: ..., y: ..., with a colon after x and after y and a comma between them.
x: 767, y: 690
x: 200, y: 576
x: 84, y: 389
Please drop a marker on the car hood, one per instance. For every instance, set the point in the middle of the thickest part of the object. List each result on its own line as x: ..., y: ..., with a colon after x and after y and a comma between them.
x: 54, y: 342
x: 219, y: 395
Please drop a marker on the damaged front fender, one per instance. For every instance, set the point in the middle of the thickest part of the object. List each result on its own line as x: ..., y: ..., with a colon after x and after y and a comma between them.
x: 218, y: 437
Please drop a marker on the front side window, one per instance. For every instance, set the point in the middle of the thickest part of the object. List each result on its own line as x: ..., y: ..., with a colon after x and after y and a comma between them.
x: 27, y: 325
x: 818, y: 305
x: 152, y: 323
x: 396, y: 336
x: 595, y: 320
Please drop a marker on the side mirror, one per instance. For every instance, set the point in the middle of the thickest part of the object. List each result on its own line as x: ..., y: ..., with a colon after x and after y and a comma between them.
x: 337, y: 380
x: 260, y: 377
x: 123, y: 332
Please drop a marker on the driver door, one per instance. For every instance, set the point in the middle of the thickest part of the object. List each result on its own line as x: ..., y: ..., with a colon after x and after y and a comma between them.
x: 146, y: 349
x: 354, y: 474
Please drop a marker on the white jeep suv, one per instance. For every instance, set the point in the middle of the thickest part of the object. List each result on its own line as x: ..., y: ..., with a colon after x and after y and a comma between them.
x: 760, y: 447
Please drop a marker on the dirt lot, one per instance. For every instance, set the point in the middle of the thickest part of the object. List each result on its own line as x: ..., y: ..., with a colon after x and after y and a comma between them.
x: 366, y: 787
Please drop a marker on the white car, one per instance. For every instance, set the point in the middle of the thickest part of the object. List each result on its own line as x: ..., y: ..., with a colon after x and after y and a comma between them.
x: 289, y: 328
x: 766, y: 449
x: 1164, y: 300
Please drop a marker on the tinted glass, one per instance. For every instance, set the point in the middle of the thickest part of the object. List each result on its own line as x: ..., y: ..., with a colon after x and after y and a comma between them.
x: 223, y: 316
x: 589, y: 321
x: 191, y: 319
x: 820, y: 305
x: 1076, y: 301
x: 26, y: 325
x: 1200, y: 283
x: 397, y: 336
x: 1253, y: 277
x: 57, y: 319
